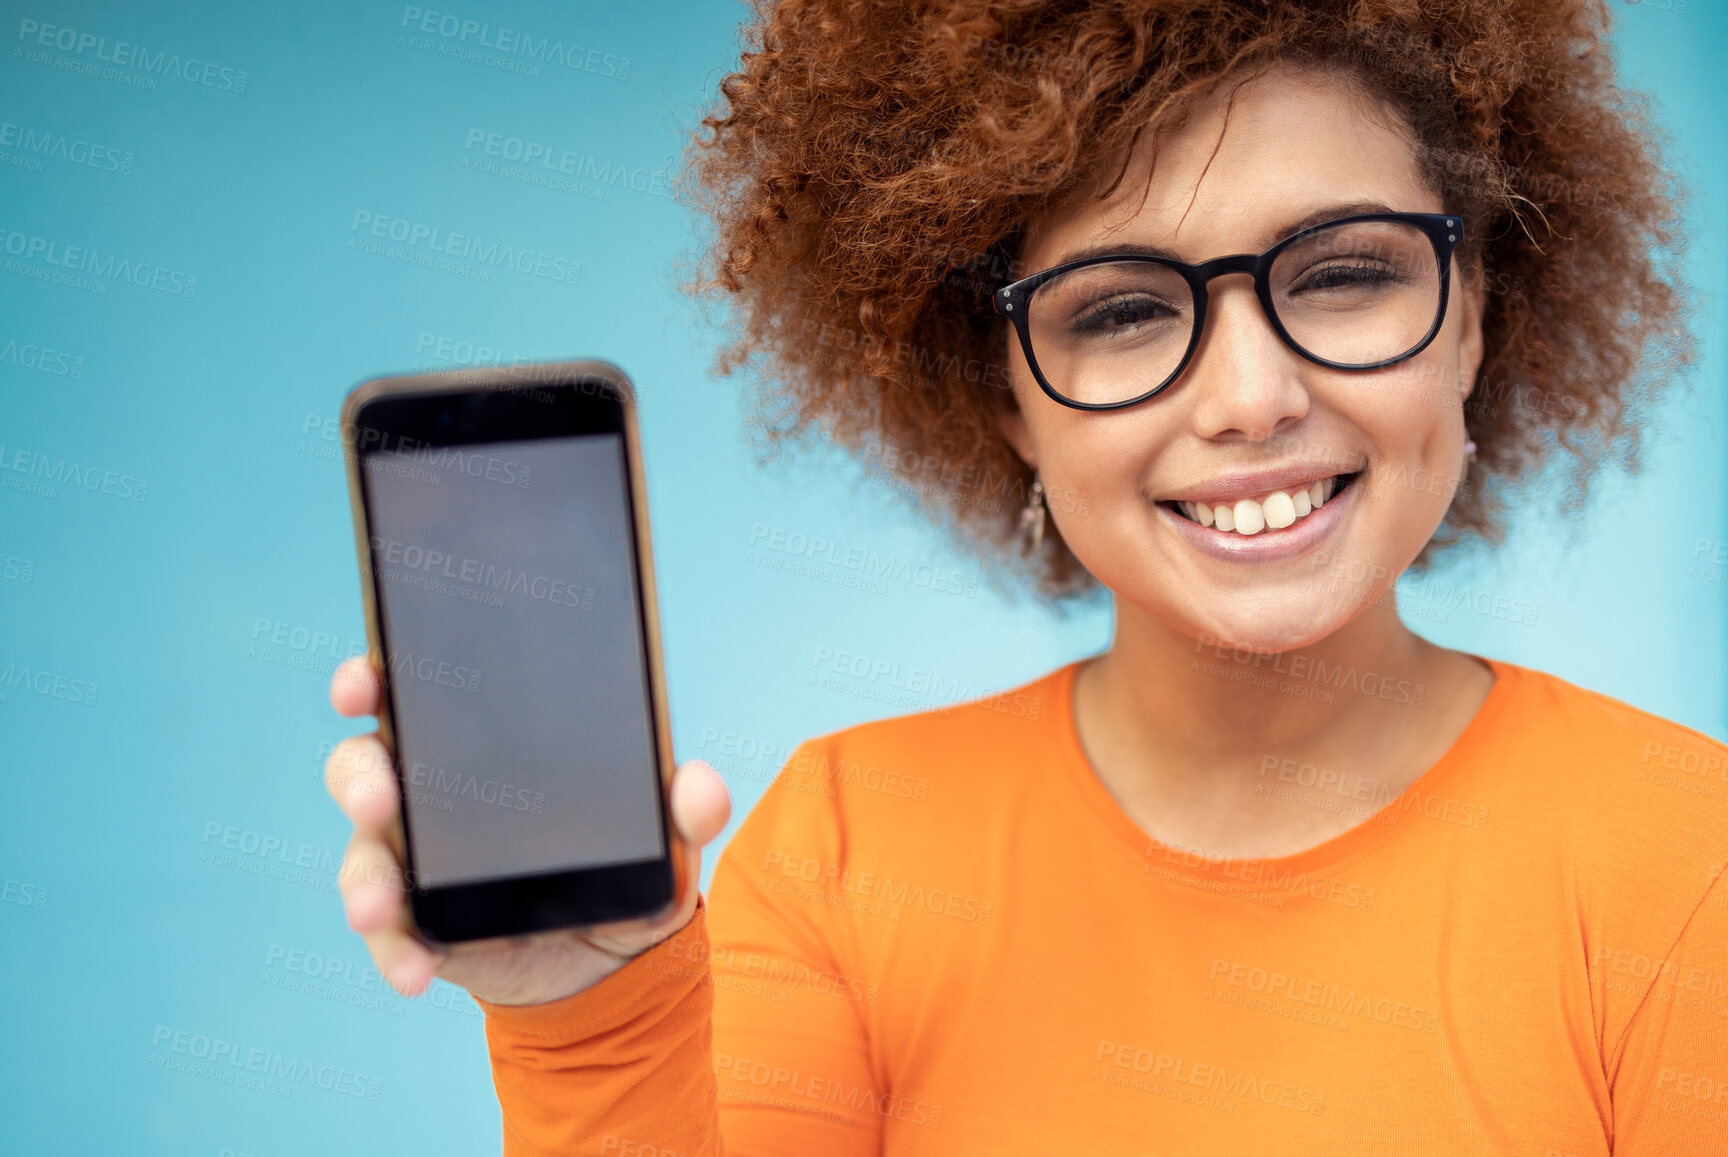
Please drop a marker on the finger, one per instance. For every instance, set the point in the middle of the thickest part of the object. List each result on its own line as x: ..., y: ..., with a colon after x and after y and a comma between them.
x: 701, y: 805
x: 355, y: 688
x: 405, y: 962
x: 374, y: 898
x: 374, y: 893
x: 408, y: 963
x: 359, y: 778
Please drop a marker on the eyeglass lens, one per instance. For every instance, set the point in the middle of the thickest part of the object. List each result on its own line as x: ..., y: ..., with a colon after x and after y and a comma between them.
x: 1355, y: 294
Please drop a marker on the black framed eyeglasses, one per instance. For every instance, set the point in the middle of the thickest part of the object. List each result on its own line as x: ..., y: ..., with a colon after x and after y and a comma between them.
x: 1355, y: 293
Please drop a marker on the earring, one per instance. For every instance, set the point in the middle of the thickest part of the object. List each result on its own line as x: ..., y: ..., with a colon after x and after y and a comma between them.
x: 1469, y: 453
x: 1032, y: 517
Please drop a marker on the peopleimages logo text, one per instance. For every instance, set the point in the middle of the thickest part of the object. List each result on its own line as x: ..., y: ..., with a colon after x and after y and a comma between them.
x: 64, y: 472
x: 465, y: 247
x: 83, y: 259
x: 124, y: 54
x: 59, y: 146
x: 514, y: 42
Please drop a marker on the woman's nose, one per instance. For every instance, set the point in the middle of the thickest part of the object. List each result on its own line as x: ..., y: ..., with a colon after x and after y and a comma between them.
x: 1245, y: 381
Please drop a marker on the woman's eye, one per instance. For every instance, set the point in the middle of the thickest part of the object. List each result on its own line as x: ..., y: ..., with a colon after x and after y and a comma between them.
x: 1122, y: 313
x: 1342, y: 275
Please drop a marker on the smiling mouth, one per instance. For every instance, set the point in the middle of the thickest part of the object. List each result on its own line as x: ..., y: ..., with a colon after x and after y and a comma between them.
x: 1273, y: 511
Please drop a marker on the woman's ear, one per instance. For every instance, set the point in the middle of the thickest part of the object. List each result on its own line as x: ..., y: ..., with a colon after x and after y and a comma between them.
x: 1470, y: 344
x: 1013, y: 426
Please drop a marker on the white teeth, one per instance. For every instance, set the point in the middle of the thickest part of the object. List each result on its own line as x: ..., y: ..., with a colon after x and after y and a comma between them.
x: 1249, y: 517
x: 1280, y: 510
x: 1277, y: 510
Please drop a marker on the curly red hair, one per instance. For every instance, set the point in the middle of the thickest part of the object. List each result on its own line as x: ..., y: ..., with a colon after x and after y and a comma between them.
x: 873, y: 163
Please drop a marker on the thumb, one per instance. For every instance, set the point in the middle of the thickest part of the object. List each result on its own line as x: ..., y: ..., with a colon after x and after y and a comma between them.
x: 701, y: 805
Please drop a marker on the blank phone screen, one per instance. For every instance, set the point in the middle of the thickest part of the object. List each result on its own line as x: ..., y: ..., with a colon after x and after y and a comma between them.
x: 512, y: 622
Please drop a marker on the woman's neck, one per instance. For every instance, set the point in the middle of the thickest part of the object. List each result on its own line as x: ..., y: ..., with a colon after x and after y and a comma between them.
x: 1197, y: 741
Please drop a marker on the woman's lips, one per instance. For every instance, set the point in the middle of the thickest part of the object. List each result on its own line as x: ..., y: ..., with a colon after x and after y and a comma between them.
x: 1267, y: 545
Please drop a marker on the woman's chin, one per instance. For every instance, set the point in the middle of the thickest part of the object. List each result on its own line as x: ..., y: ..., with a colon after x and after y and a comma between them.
x: 1271, y: 630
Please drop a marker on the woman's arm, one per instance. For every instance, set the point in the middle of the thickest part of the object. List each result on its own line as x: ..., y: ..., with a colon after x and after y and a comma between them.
x: 623, y: 1067
x: 742, y: 1034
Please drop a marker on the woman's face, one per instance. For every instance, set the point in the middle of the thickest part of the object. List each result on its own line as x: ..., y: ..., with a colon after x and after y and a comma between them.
x: 1250, y: 418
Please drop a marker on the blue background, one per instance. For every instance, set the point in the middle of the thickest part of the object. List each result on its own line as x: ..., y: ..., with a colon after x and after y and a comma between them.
x: 126, y: 916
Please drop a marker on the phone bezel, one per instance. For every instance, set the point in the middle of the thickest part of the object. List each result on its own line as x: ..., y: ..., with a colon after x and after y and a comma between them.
x: 500, y: 404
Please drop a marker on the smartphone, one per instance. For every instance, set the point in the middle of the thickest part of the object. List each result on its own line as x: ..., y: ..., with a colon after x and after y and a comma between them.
x: 502, y: 526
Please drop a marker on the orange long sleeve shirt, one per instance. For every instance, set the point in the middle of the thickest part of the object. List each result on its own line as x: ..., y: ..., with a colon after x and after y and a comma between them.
x: 940, y: 935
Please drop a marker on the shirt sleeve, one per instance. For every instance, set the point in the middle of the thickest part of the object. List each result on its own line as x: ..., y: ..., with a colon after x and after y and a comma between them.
x: 621, y: 1067
x: 1670, y: 1089
x: 744, y: 1034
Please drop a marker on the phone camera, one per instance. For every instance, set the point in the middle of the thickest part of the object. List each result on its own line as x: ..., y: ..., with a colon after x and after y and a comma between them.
x: 443, y: 417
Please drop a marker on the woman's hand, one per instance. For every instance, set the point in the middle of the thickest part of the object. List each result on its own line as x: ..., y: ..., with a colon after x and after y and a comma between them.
x: 516, y: 970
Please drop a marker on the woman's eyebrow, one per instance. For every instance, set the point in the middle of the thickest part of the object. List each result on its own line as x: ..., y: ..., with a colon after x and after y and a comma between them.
x: 1138, y: 249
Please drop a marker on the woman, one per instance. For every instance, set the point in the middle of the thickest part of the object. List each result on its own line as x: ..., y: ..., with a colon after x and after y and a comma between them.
x: 1272, y: 874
